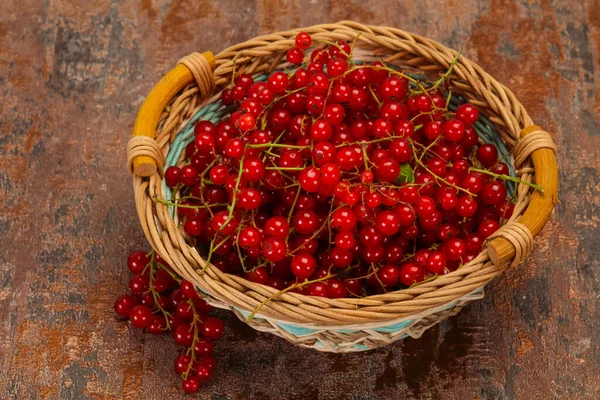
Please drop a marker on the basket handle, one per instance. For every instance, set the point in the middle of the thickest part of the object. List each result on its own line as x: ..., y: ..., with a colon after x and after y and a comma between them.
x: 142, y: 152
x: 515, y: 238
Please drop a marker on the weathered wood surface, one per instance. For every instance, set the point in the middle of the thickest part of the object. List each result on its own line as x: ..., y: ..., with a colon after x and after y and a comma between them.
x: 72, y: 76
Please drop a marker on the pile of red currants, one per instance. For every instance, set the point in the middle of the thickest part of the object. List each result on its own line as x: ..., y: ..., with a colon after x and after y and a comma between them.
x: 339, y: 178
x: 160, y: 302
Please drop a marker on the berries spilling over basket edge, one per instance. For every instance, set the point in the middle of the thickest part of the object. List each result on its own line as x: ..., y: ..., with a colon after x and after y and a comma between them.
x: 333, y: 178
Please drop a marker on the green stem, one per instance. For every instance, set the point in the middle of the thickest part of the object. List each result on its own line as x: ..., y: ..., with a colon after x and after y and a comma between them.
x: 507, y: 178
x: 289, y: 288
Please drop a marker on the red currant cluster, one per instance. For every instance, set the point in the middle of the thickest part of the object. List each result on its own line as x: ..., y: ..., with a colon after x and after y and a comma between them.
x: 159, y: 302
x: 340, y: 179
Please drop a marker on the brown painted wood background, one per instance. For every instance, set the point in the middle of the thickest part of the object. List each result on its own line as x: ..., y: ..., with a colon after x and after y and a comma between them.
x: 72, y: 76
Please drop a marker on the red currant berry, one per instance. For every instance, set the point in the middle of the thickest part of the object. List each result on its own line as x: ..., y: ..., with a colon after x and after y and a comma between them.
x: 388, y: 275
x: 453, y: 130
x: 124, y: 304
x: 343, y: 219
x: 467, y: 113
x: 258, y: 275
x: 493, y: 192
x: 455, y: 249
x: 303, y: 40
x: 139, y: 283
x: 191, y: 384
x: 387, y: 169
x: 303, y: 265
x: 141, y: 317
x: 222, y: 224
x: 411, y: 273
x: 309, y: 179
x: 137, y: 261
x: 172, y: 176
x: 274, y: 249
x: 487, y: 154
x: 487, y: 227
x: 305, y: 222
x: 436, y: 262
x: 278, y: 82
x: 295, y: 55
x: 213, y: 328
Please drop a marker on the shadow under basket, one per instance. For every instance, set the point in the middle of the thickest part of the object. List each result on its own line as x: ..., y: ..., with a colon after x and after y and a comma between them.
x: 191, y: 91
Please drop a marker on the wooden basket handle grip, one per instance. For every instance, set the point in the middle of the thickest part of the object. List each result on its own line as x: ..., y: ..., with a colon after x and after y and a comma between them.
x: 501, y: 249
x: 188, y: 70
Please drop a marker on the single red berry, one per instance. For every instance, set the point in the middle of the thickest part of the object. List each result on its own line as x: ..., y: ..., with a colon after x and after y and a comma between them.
x: 141, y: 316
x: 317, y: 289
x: 212, y: 328
x: 277, y: 227
x: 455, y: 249
x: 137, y: 261
x: 305, y: 222
x: 188, y: 290
x: 334, y: 113
x: 387, y: 222
x: 303, y: 40
x: 467, y: 113
x: 158, y: 325
x: 295, y: 55
x: 335, y: 288
x: 193, y: 226
x: 453, y: 130
x: 336, y: 67
x: 388, y: 275
x: 191, y: 384
x: 139, y: 283
x: 172, y: 176
x: 387, y: 169
x: 258, y: 275
x: 124, y: 304
x: 436, y: 262
x: 470, y: 139
x: 243, y: 80
x: 203, y: 347
x: 246, y: 122
x: 278, y: 82
x: 309, y: 179
x: 341, y: 258
x: 411, y: 273
x: 343, y: 219
x: 223, y: 224
x: 494, y: 193
x: 466, y: 206
x: 249, y: 237
x: 235, y: 148
x: 474, y: 243
x: 205, y: 142
x: 274, y: 249
x: 367, y: 177
x: 487, y: 227
x: 447, y: 198
x: 182, y: 363
x: 204, y: 372
x: 487, y: 154
x: 249, y: 199
x: 189, y: 176
x: 473, y: 182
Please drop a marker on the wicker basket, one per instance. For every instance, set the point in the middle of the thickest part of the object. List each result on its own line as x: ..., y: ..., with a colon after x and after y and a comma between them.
x: 191, y: 91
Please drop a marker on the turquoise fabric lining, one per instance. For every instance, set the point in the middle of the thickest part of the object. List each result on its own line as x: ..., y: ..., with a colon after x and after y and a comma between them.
x: 215, y: 112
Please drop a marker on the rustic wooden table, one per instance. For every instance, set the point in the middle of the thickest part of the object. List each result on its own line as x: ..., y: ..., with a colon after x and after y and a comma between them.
x: 72, y: 76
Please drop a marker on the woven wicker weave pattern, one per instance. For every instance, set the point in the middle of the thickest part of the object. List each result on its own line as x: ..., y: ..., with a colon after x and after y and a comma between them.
x: 266, y: 53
